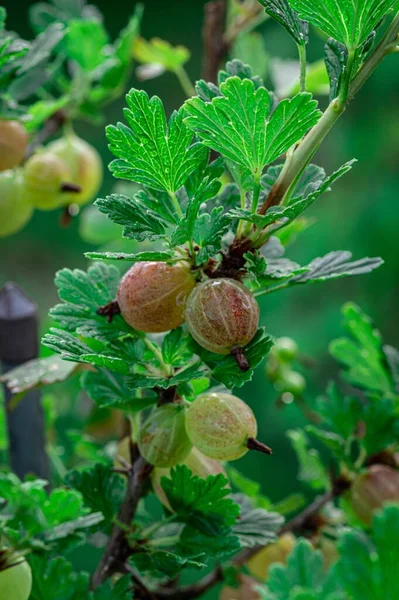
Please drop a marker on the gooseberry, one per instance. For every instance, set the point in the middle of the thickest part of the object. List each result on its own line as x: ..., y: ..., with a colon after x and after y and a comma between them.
x: 277, y: 552
x: 84, y: 165
x: 152, y: 296
x: 15, y: 209
x: 222, y: 426
x: 247, y: 590
x: 199, y: 465
x: 44, y: 175
x: 372, y: 489
x: 286, y: 349
x: 222, y: 316
x: 162, y: 439
x: 13, y: 143
x: 292, y: 382
x: 15, y: 576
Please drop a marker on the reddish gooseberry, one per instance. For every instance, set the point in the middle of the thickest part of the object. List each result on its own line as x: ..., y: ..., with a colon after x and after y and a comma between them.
x: 372, y: 489
x: 222, y: 316
x: 13, y: 143
x: 152, y: 296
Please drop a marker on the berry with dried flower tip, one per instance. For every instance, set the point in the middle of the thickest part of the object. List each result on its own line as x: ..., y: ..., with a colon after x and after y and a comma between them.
x: 152, y: 296
x: 247, y: 590
x: 277, y: 552
x: 199, y: 465
x: 13, y: 143
x: 222, y: 426
x: 162, y: 438
x: 84, y: 165
x: 371, y: 490
x: 15, y: 576
x: 15, y: 208
x: 222, y: 316
x: 44, y: 177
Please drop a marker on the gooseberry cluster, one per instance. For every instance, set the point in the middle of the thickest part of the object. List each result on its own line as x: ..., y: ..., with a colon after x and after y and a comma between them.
x: 67, y: 171
x: 222, y: 316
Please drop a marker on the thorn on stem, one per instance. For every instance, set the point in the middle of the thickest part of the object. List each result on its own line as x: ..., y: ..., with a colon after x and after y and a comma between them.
x: 241, y: 359
x: 253, y: 444
x: 109, y: 310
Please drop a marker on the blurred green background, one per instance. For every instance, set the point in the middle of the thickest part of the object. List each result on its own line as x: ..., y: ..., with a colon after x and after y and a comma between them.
x: 359, y: 215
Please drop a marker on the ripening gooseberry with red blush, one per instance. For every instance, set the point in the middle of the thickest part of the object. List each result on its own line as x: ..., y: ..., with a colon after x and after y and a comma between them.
x: 13, y: 144
x: 152, y: 295
x: 371, y: 490
x: 222, y: 316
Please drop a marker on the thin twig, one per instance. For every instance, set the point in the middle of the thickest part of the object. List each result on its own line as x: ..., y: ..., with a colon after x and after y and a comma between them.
x: 118, y: 550
x: 50, y: 127
x: 215, y: 47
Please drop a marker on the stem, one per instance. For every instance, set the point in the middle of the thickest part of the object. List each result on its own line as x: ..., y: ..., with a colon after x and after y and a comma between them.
x: 118, y: 550
x: 280, y: 286
x: 302, y: 67
x: 185, y: 82
x: 158, y: 354
x: 254, y: 203
x: 314, y: 138
x: 176, y: 204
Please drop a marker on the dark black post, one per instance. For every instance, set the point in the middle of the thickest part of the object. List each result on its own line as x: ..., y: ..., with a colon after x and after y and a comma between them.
x: 18, y: 344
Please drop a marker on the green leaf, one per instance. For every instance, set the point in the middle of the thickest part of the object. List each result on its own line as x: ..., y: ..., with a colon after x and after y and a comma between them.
x: 42, y: 48
x: 163, y: 563
x: 339, y: 413
x: 239, y: 126
x: 160, y: 52
x: 72, y: 349
x: 368, y: 572
x: 350, y: 23
x: 336, y: 60
x: 55, y: 579
x: 194, y: 542
x: 150, y: 151
x: 392, y: 358
x: 193, y: 371
x: 83, y: 294
x: 176, y: 350
x: 237, y: 68
x: 303, y: 574
x: 139, y: 219
x: 102, y: 490
x: 139, y: 257
x: 225, y: 368
x: 110, y: 389
x: 85, y: 43
x: 282, y: 12
x: 185, y: 230
x: 311, y: 469
x: 381, y: 423
x: 256, y: 526
x: 279, y: 216
x: 203, y: 503
x: 40, y: 371
x: 362, y: 356
x: 121, y: 590
x: 66, y: 529
x: 336, y: 264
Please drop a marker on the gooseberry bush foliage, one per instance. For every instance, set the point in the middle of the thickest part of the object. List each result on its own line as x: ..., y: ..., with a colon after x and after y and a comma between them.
x: 221, y: 188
